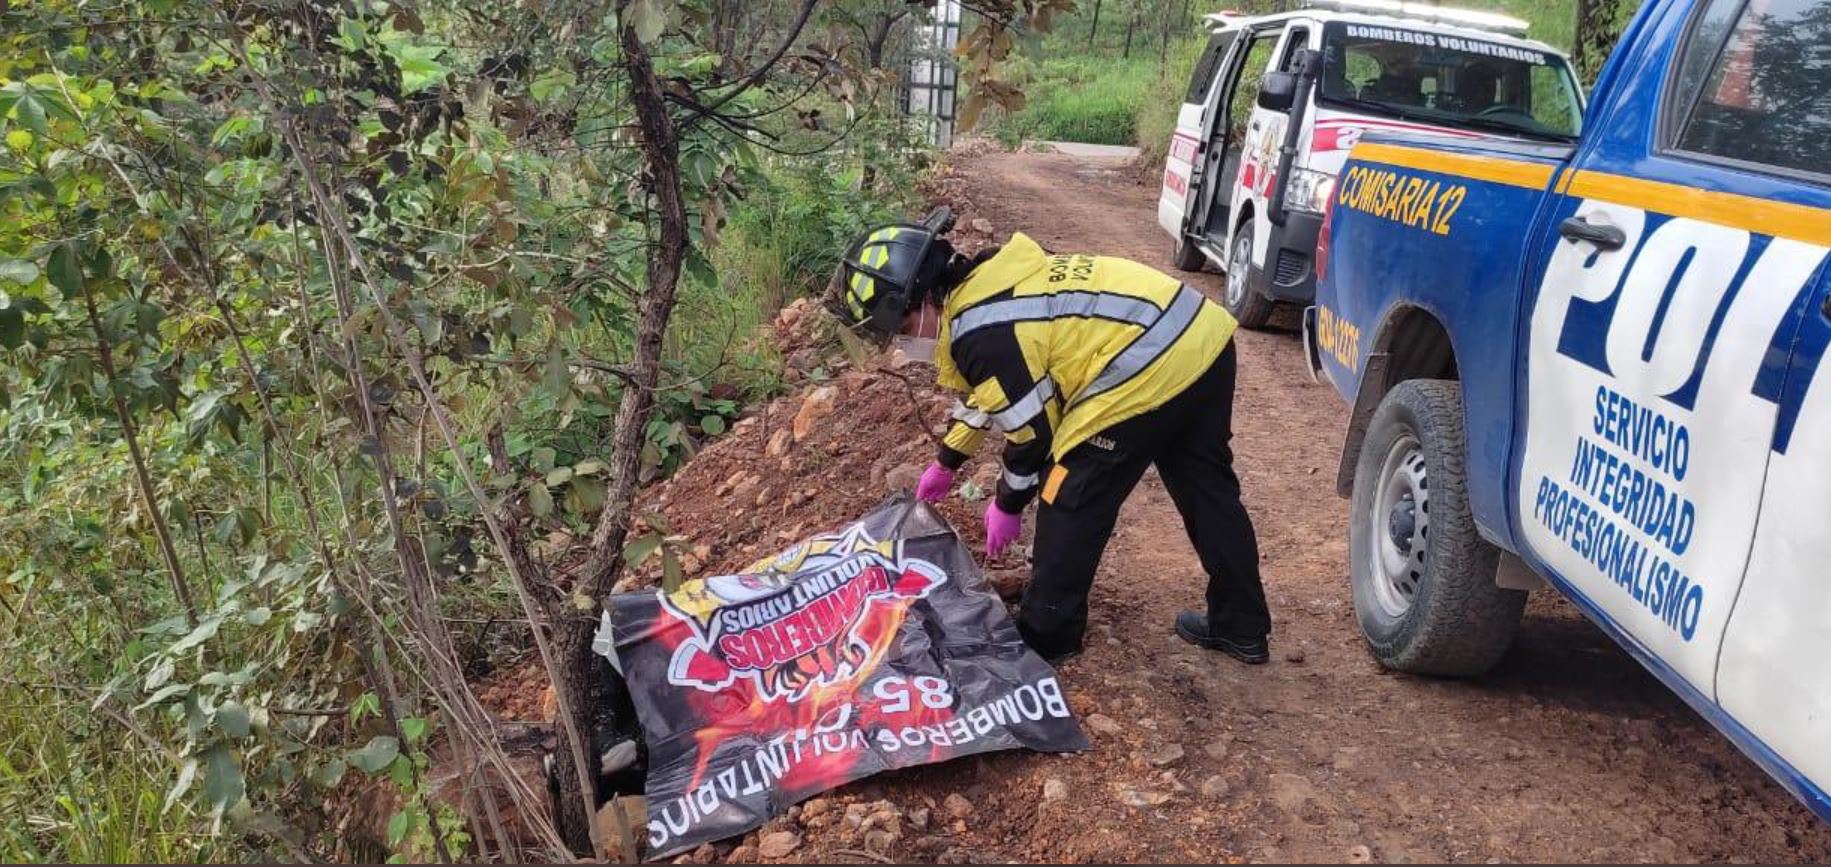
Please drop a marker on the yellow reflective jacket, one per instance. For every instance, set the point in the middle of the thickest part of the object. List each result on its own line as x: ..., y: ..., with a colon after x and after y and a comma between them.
x: 1053, y: 349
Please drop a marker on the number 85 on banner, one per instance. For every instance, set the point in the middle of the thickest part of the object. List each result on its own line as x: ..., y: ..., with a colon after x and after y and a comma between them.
x: 894, y: 692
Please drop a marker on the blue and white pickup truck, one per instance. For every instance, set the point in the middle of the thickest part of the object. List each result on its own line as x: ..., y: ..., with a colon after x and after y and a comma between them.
x: 1593, y: 362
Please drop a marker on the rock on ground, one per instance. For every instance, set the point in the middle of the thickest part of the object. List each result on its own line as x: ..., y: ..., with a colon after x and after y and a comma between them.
x: 903, y: 478
x: 1140, y: 800
x: 814, y: 408
x: 1167, y: 755
x: 1100, y: 723
x: 1290, y: 791
x: 778, y: 443
x: 779, y: 844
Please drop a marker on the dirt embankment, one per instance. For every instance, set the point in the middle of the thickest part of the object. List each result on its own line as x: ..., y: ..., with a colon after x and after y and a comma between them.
x: 1568, y: 751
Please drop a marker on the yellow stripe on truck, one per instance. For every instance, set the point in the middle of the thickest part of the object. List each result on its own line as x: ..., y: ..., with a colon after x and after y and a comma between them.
x: 1758, y: 215
x: 1514, y: 173
x: 1751, y: 213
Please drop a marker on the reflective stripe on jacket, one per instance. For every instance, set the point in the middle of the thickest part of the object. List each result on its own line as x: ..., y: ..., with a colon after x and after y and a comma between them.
x: 1054, y: 349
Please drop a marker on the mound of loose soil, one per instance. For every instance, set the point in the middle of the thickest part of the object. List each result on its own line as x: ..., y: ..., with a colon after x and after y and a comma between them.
x: 806, y: 463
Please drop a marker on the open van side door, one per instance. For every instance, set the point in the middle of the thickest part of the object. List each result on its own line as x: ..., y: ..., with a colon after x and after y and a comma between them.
x: 1210, y: 151
x: 1182, y: 161
x: 1225, y: 128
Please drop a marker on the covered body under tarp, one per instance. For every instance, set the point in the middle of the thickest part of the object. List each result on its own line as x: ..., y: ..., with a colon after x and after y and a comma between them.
x: 878, y: 646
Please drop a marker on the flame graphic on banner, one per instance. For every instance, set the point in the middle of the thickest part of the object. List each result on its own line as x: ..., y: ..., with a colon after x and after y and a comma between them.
x: 764, y: 677
x: 813, y: 711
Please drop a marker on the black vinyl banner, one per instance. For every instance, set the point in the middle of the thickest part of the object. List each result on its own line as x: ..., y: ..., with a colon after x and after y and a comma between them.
x: 879, y: 646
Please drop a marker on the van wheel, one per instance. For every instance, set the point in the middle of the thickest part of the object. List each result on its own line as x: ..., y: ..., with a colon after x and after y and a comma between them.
x: 1250, y: 308
x: 1423, y: 578
x: 1186, y: 256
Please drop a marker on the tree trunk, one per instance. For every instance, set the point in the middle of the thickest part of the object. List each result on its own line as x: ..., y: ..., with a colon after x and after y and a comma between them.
x: 131, y: 432
x: 1094, y: 28
x: 583, y: 675
x: 1597, y: 30
x: 874, y: 49
x: 1163, y: 41
x: 1129, y: 27
x: 726, y: 15
x: 878, y: 35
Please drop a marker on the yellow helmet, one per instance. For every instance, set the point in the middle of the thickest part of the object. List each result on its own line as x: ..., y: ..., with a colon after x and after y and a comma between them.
x: 889, y: 269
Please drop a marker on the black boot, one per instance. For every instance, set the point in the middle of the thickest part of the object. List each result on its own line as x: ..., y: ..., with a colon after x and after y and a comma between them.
x: 1054, y: 651
x: 1193, y: 627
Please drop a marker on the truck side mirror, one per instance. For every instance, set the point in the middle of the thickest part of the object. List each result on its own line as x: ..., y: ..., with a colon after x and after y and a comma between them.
x: 1278, y: 91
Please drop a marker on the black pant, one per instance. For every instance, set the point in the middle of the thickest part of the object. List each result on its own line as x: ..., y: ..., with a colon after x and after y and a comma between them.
x: 1187, y: 439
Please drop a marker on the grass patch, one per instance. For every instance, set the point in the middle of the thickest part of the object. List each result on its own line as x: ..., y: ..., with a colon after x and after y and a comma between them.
x: 1081, y: 99
x: 75, y: 787
x: 1553, y: 23
x: 1155, y: 118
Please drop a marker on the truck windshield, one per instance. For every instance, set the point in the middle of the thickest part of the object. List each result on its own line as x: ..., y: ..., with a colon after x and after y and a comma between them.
x: 1449, y: 80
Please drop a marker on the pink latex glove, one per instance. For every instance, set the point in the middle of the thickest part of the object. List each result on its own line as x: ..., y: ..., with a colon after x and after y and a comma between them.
x: 1001, y: 529
x: 936, y: 480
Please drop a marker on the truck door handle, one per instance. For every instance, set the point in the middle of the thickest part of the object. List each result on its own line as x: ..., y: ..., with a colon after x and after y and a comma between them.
x: 1604, y: 237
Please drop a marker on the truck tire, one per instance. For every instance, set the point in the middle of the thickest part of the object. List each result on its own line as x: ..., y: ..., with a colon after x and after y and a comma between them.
x: 1248, y: 307
x: 1186, y: 256
x: 1424, y: 589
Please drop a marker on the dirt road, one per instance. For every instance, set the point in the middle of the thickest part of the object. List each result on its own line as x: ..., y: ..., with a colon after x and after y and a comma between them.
x: 1568, y: 751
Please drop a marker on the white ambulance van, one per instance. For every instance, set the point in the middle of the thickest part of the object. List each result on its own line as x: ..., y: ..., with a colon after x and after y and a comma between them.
x: 1276, y: 101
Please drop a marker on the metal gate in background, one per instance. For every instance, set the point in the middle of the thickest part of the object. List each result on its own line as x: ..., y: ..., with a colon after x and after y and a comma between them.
x: 932, y: 73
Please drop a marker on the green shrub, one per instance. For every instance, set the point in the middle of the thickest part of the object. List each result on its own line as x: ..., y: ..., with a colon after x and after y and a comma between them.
x: 786, y: 238
x: 782, y: 241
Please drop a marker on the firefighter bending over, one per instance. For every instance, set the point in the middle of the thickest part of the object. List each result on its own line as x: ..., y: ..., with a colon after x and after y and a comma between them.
x: 1093, y: 368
